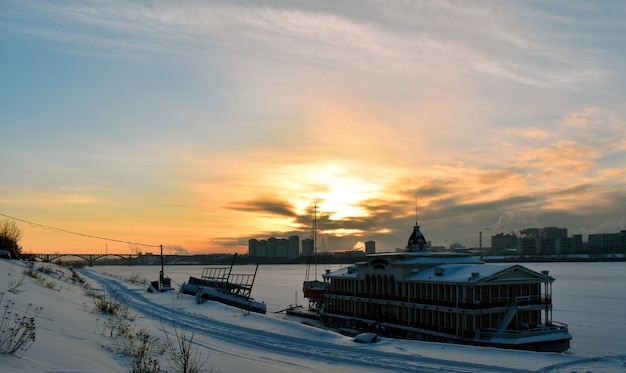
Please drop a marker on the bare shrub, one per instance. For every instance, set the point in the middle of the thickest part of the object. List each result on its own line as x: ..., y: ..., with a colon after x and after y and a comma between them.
x: 183, y: 358
x: 119, y: 327
x: 137, y: 279
x: 47, y: 269
x: 106, y: 304
x: 50, y: 284
x: 145, y: 364
x: 140, y: 345
x: 15, y: 286
x: 31, y: 273
x: 89, y: 291
x: 17, y: 333
x: 76, y: 277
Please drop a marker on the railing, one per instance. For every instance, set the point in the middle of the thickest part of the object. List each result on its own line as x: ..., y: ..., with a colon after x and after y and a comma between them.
x: 90, y: 258
x: 506, y: 317
x: 470, y: 305
x: 234, y: 283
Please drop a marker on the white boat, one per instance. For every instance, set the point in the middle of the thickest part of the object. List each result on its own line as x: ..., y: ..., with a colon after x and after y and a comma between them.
x: 444, y: 297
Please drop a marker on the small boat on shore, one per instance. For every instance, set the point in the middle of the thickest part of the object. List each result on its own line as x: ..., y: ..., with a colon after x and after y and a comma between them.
x: 164, y: 283
x: 222, y: 285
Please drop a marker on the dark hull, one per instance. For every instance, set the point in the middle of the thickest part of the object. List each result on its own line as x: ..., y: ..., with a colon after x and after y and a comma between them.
x: 202, y: 290
x: 304, y: 313
x: 552, y: 340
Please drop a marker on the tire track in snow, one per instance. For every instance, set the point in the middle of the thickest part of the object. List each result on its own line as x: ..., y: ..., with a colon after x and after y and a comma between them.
x: 284, y: 345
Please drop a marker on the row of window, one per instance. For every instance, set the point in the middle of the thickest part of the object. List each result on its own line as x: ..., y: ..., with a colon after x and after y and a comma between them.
x: 386, y: 286
x: 437, y: 320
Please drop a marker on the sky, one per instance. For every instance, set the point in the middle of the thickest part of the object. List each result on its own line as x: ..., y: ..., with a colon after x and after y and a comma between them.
x: 199, y: 125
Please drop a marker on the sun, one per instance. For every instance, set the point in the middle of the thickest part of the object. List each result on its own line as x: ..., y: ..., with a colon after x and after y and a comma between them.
x: 340, y: 191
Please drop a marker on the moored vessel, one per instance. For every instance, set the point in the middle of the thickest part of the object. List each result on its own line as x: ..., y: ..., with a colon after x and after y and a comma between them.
x: 222, y: 285
x: 445, y: 297
x: 312, y: 288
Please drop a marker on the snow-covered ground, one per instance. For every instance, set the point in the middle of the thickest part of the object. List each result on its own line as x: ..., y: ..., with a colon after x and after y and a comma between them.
x: 72, y: 337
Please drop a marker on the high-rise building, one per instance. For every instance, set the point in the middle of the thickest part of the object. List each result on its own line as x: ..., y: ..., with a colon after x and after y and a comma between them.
x: 307, y: 247
x: 600, y: 243
x: 502, y: 241
x: 370, y: 247
x: 275, y: 247
x: 293, y: 248
x: 253, y: 247
x: 538, y: 241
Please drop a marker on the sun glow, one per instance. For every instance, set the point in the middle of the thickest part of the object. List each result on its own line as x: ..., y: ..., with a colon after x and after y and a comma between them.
x: 341, y: 232
x: 339, y: 191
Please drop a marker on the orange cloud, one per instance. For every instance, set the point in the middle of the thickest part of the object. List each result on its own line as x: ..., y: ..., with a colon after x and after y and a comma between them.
x: 581, y: 118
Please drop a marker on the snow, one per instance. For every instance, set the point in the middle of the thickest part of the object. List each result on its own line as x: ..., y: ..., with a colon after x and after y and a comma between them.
x: 70, y: 337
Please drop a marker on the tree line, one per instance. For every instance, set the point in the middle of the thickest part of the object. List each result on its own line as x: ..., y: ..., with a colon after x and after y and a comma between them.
x: 10, y: 235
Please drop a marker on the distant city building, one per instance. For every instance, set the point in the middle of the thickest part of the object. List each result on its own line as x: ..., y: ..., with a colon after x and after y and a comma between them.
x: 274, y: 247
x: 253, y: 247
x: 503, y: 243
x: 442, y: 248
x: 293, y: 247
x: 607, y: 243
x: 544, y: 233
x: 537, y: 241
x: 307, y: 247
x: 527, y: 242
x: 456, y: 246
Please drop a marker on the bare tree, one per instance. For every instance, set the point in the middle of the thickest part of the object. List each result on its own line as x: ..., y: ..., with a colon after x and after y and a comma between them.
x: 10, y: 235
x: 183, y: 358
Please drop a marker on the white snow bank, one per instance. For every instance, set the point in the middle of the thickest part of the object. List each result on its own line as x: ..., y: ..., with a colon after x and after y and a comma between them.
x: 69, y: 337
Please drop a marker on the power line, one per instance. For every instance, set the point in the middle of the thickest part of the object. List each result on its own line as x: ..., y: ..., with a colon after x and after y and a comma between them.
x: 47, y: 227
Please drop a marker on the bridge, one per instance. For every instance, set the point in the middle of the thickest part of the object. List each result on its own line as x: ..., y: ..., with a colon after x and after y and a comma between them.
x: 90, y: 258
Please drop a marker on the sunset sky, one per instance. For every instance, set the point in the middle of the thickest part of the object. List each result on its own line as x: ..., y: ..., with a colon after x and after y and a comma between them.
x: 198, y: 125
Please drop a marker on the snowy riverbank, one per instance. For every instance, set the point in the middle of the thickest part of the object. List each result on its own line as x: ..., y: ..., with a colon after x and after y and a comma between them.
x: 70, y: 336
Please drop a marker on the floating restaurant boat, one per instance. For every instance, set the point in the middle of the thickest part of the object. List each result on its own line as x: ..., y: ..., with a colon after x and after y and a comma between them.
x: 444, y: 297
x: 222, y: 285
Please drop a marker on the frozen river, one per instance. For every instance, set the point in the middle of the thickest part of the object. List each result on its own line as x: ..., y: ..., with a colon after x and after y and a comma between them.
x: 589, y: 297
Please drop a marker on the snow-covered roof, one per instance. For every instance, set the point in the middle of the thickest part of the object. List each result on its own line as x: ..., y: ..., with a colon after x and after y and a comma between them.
x: 472, y: 273
x: 453, y: 272
x: 346, y: 272
x: 438, y: 258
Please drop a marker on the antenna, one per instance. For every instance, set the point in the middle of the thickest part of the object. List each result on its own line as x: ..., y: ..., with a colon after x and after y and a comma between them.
x: 415, y: 208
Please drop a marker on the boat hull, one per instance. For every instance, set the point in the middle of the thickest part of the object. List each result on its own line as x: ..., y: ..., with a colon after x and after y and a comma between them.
x: 303, y: 313
x: 198, y: 288
x: 555, y: 339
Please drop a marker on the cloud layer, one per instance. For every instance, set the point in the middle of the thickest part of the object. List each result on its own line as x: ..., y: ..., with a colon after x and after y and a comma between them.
x: 200, y: 125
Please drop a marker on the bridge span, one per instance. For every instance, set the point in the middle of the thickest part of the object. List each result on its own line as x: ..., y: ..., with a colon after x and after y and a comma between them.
x: 90, y: 258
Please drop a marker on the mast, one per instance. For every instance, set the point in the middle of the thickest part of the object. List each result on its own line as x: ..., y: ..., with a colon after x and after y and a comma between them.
x: 313, y: 289
x: 312, y: 253
x: 162, y: 274
x: 315, y: 240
